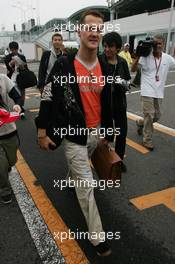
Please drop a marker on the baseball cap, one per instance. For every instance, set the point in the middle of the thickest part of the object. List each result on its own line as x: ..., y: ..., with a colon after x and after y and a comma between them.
x: 126, y: 44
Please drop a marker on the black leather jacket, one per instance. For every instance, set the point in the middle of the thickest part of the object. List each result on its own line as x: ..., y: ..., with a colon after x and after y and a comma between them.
x: 53, y: 105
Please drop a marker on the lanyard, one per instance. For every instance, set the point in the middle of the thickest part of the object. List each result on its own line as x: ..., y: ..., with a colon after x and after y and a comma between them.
x: 157, y: 68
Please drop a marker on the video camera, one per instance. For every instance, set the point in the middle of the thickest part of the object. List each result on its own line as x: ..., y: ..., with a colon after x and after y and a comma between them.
x: 145, y: 47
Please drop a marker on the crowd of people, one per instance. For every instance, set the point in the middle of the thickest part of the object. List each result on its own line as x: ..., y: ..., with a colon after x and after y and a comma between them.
x: 91, y: 104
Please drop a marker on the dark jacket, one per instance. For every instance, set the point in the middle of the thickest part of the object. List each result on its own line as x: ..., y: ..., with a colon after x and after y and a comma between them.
x: 8, y: 58
x: 119, y: 96
x: 54, y: 106
x: 43, y: 68
x: 122, y: 69
x: 42, y: 73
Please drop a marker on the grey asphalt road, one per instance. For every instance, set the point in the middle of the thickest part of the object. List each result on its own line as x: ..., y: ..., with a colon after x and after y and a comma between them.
x: 147, y: 236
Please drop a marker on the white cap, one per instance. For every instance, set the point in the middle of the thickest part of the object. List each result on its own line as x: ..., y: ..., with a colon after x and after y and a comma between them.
x: 126, y: 44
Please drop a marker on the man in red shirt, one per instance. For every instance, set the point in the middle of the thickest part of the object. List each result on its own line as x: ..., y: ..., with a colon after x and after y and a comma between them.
x: 93, y: 100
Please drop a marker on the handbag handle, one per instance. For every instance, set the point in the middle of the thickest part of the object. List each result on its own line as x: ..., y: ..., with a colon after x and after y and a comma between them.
x: 108, y: 146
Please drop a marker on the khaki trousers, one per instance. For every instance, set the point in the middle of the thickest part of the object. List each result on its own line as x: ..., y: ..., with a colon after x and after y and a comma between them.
x: 151, y: 108
x: 80, y: 170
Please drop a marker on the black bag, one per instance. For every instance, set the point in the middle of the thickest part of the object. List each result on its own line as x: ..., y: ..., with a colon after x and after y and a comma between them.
x: 26, y: 79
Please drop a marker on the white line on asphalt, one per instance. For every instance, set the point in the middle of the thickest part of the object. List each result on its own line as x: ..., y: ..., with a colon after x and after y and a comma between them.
x: 170, y: 85
x: 156, y: 124
x: 133, y: 74
x: 46, y: 246
x: 135, y: 92
x: 166, y: 86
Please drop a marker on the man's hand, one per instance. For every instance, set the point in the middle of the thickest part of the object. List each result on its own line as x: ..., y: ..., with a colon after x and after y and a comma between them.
x: 44, y: 142
x: 17, y: 108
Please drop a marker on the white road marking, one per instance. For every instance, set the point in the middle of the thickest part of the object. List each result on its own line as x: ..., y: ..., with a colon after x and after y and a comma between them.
x: 170, y: 85
x: 135, y: 92
x: 156, y: 125
x: 166, y: 86
x: 133, y: 74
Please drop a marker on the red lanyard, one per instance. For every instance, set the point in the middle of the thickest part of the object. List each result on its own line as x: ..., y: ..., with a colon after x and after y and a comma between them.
x: 157, y: 68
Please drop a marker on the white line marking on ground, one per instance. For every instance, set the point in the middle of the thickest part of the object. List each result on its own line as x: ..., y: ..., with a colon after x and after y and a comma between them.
x: 135, y: 92
x: 157, y: 125
x: 170, y: 85
x: 166, y: 86
x: 133, y: 74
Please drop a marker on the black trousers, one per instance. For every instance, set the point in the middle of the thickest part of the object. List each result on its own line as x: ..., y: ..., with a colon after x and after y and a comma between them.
x: 120, y: 121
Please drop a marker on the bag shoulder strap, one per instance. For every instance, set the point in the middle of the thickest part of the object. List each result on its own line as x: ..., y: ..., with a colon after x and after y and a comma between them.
x: 63, y: 64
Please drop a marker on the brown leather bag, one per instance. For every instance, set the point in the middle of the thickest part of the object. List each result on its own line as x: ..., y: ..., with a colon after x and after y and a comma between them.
x: 106, y: 163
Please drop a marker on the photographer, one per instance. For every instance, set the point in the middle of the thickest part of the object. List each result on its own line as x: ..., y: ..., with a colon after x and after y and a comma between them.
x: 154, y: 70
x: 118, y: 66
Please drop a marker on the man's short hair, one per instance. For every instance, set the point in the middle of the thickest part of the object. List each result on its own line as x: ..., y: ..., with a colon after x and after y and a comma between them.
x: 94, y: 13
x: 57, y: 35
x: 160, y: 37
x: 13, y: 45
x: 112, y: 38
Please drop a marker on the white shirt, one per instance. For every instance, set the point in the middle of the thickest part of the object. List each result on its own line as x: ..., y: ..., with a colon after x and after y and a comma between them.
x: 18, y: 62
x: 149, y: 86
x: 5, y: 87
x: 6, y: 53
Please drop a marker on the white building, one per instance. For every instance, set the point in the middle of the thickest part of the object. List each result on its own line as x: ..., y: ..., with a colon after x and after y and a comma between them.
x: 142, y: 18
